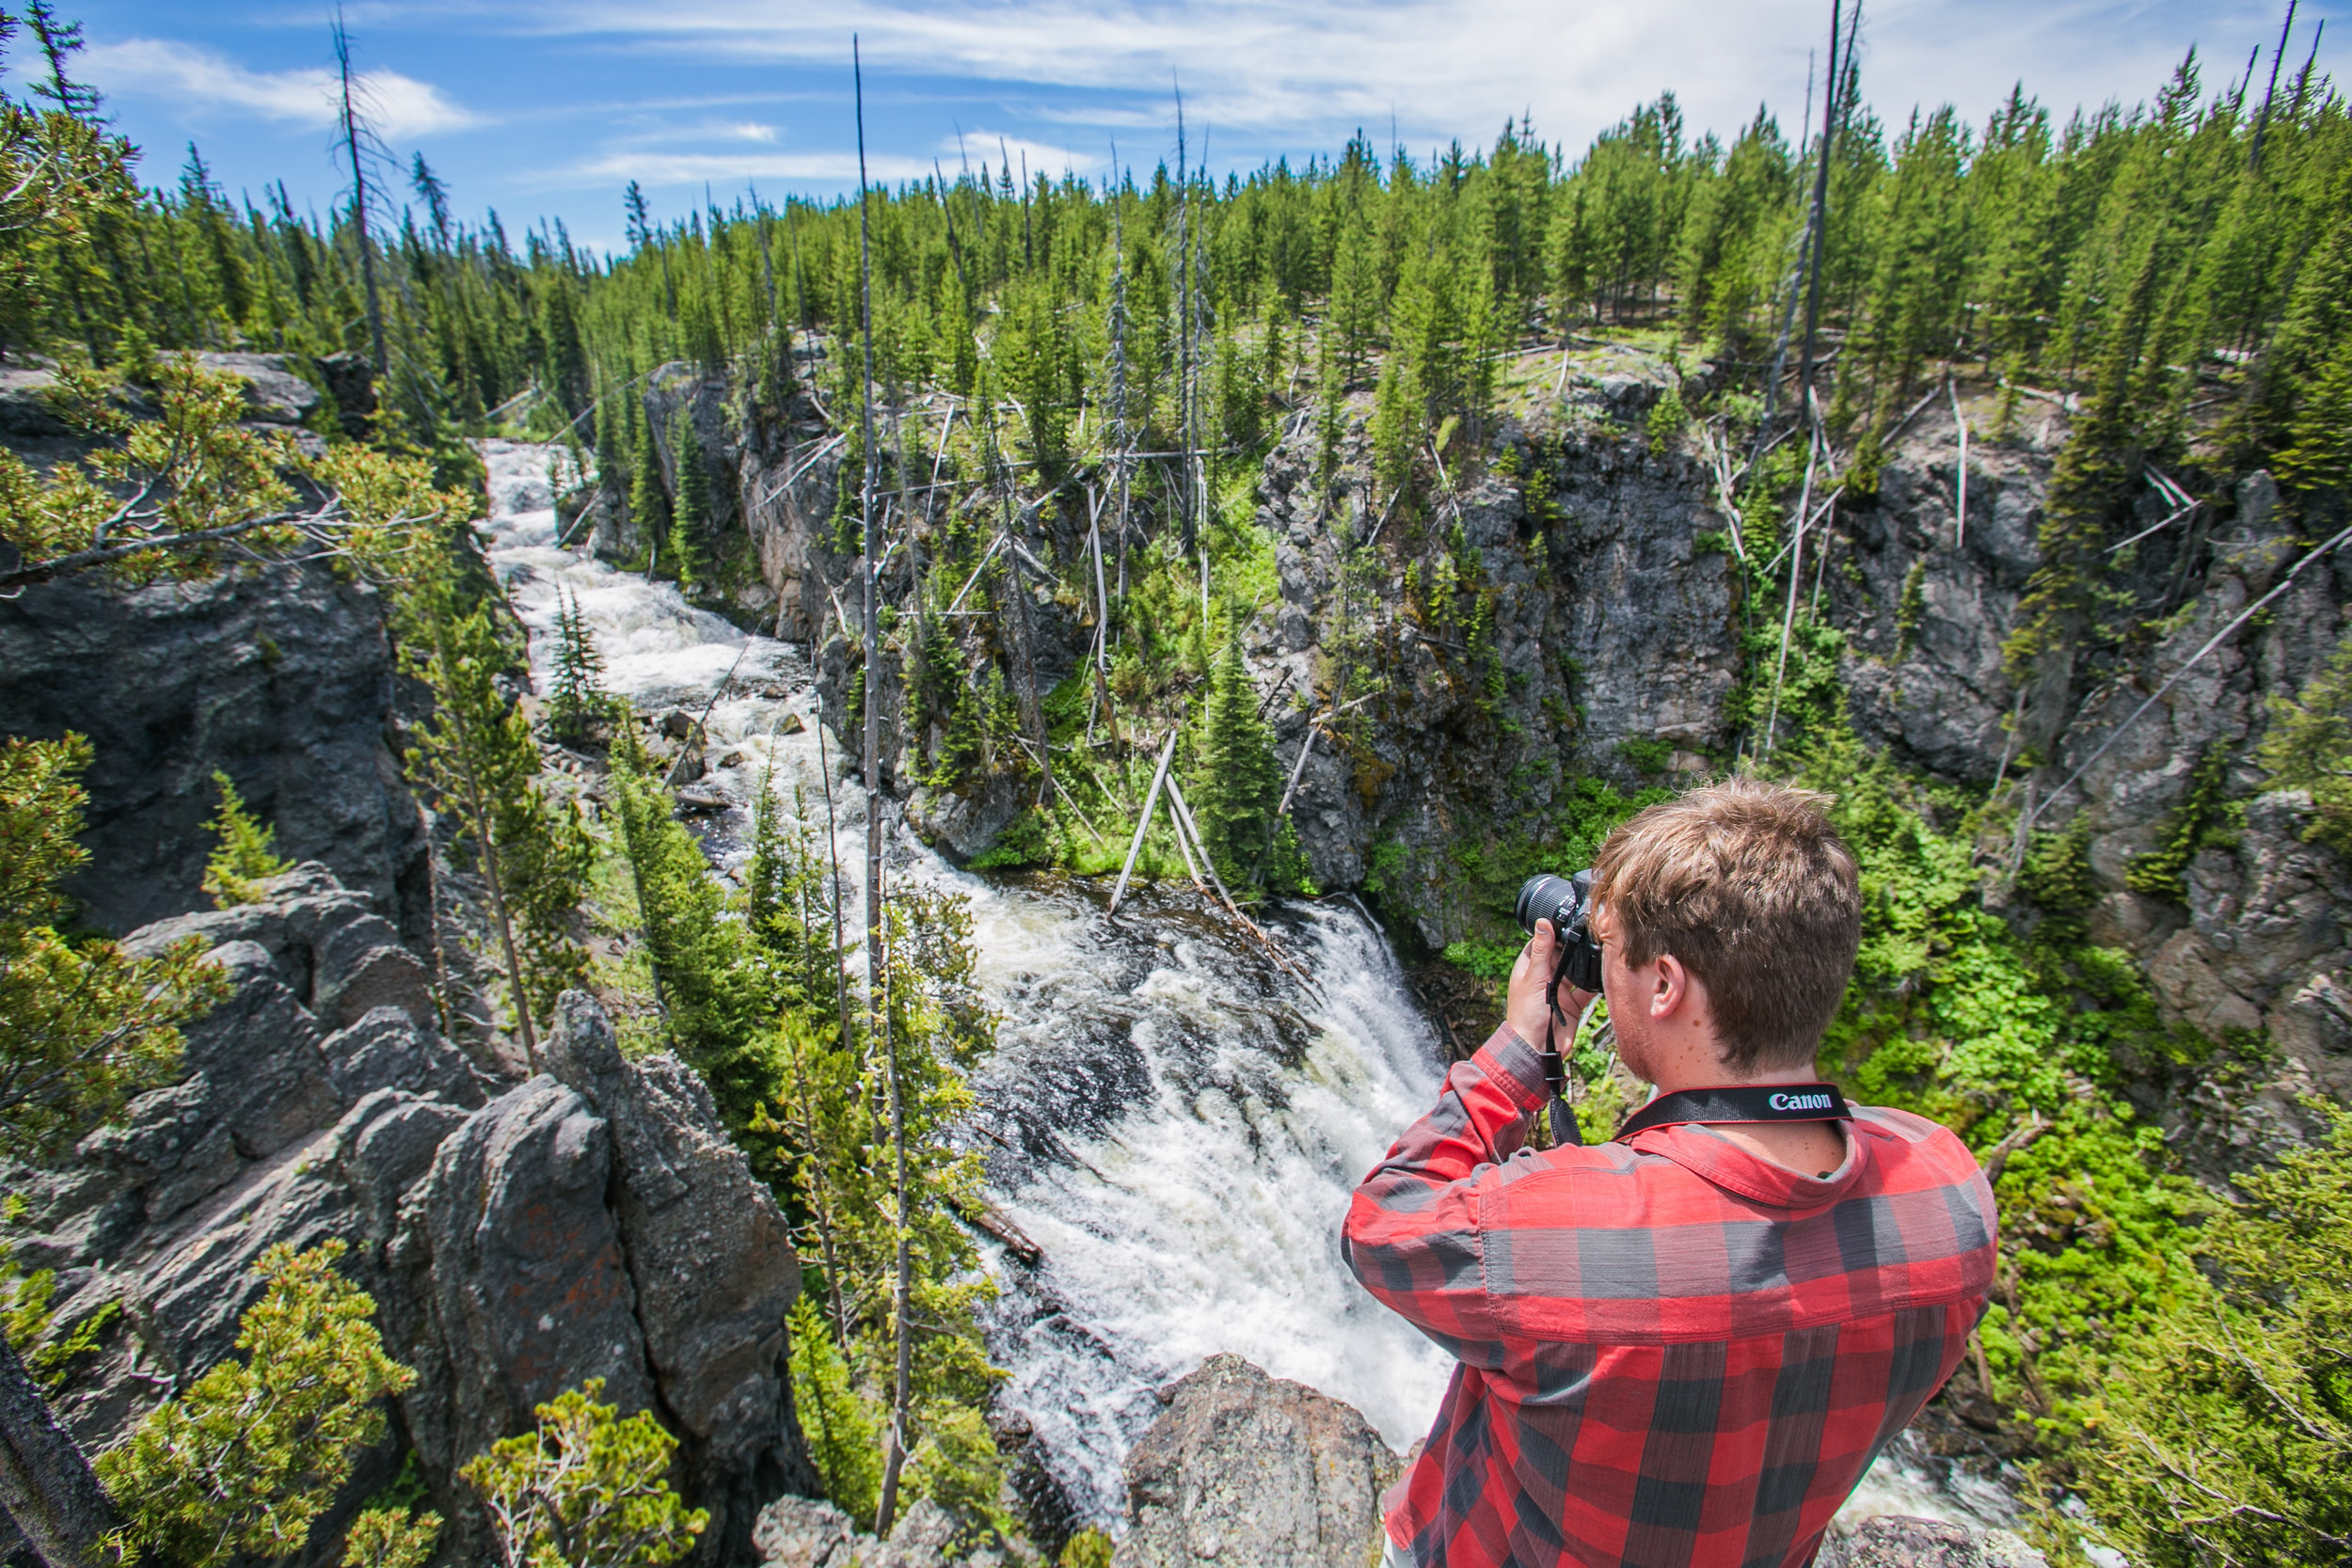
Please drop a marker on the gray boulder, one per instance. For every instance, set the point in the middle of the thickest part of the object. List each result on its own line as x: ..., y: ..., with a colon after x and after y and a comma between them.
x: 598, y: 1222
x: 1899, y: 1541
x: 805, y: 1533
x: 1247, y: 1471
x: 274, y: 394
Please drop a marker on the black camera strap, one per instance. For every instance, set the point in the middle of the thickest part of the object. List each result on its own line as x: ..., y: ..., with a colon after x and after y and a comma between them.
x: 1740, y: 1102
x: 1564, y: 1132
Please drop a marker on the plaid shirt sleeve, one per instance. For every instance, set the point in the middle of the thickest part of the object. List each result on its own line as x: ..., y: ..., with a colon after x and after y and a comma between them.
x: 1672, y: 1352
x: 1412, y: 1232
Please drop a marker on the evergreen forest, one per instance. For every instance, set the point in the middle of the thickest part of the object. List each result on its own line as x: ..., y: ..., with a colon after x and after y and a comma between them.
x: 1067, y: 391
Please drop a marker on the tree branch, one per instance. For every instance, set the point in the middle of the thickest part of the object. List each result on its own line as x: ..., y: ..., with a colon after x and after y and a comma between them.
x: 96, y: 556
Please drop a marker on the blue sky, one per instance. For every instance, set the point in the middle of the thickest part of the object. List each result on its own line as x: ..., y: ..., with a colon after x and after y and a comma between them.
x: 550, y: 107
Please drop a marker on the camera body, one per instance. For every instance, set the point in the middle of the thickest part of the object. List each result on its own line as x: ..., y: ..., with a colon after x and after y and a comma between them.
x: 1567, y: 903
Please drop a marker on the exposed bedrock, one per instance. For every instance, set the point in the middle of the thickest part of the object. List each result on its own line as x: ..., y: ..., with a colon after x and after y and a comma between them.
x: 279, y: 676
x: 593, y: 1221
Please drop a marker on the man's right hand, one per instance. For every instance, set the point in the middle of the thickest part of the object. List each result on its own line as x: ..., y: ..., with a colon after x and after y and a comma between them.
x: 1527, y: 1012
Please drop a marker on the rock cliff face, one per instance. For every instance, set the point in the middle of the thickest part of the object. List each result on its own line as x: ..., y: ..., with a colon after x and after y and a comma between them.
x: 592, y: 1221
x: 772, y: 478
x: 280, y: 677
x: 1612, y: 640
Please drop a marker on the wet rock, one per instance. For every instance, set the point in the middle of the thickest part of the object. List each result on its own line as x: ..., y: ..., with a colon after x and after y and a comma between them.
x: 1897, y: 1541
x: 966, y: 825
x: 1246, y: 1471
x: 279, y: 676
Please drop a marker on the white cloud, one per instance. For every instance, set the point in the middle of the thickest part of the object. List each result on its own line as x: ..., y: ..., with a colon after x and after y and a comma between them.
x: 1306, y: 68
x: 197, y: 78
x: 1043, y: 157
x: 751, y: 130
x: 661, y: 169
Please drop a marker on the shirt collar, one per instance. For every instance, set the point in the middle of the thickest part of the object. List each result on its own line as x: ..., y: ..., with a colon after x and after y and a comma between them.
x: 1706, y: 1153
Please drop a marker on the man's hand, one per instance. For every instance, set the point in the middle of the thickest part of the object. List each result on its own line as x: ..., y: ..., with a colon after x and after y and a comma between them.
x: 1527, y: 1011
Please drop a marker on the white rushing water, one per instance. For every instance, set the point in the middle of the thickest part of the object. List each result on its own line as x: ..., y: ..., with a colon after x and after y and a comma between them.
x: 1175, y: 1125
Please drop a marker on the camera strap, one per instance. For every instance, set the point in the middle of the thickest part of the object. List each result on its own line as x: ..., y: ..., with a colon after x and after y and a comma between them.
x: 1740, y: 1102
x: 1564, y: 1132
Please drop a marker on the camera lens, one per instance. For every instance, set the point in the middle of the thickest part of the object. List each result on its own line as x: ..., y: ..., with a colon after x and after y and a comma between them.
x: 1544, y: 896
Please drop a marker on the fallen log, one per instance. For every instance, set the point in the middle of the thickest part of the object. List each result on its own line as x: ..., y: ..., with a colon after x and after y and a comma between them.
x: 1143, y: 823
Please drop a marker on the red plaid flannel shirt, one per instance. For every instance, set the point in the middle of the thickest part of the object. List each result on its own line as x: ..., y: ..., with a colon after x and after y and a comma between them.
x: 1670, y: 1352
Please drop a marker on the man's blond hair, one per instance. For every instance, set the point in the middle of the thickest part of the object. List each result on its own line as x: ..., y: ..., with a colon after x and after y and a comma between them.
x: 1751, y: 889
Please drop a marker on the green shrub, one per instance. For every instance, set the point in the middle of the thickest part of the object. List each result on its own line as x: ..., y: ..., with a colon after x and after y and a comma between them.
x: 587, y: 1490
x: 245, y: 1462
x: 2223, y: 1431
x: 241, y: 858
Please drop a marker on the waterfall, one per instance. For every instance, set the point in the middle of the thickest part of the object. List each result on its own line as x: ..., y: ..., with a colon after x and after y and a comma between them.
x: 1175, y: 1123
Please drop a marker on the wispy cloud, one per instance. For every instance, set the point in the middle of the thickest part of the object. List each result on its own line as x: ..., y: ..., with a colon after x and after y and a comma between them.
x: 1439, y: 68
x: 196, y: 78
x: 1041, y: 157
x: 728, y: 170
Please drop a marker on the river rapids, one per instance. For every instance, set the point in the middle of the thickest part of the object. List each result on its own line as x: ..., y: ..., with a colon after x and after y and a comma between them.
x: 1175, y: 1124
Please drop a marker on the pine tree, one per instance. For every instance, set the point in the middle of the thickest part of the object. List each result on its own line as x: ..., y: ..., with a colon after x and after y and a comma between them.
x: 577, y: 701
x: 249, y: 1456
x: 83, y: 1028
x: 649, y: 498
x: 692, y: 520
x: 1236, y: 784
x: 2309, y: 747
x: 241, y: 858
x: 711, y: 992
x: 477, y: 755
x: 588, y: 1489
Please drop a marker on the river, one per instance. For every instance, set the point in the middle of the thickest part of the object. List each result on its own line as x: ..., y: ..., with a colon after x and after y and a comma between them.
x: 1174, y: 1123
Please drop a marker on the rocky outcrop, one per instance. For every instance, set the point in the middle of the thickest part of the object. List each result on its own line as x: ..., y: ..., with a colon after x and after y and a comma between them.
x: 1247, y: 1471
x: 1898, y: 1541
x: 595, y: 1220
x: 1610, y: 623
x: 805, y: 1532
x: 770, y: 475
x: 311, y: 1098
x: 281, y: 676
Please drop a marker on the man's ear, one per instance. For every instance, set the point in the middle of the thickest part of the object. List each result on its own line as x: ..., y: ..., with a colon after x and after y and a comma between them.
x: 1671, y: 992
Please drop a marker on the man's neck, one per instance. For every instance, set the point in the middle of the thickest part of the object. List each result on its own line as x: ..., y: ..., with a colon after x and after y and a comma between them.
x: 1814, y: 1148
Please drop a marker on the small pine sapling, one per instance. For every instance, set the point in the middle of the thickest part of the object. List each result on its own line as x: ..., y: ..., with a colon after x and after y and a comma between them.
x: 587, y: 1490
x: 243, y: 857
x: 392, y: 1538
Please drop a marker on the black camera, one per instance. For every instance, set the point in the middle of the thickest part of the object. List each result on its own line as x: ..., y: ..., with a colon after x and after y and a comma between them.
x: 1567, y: 903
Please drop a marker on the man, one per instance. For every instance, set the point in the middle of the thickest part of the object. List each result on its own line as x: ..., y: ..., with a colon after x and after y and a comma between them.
x: 1684, y: 1347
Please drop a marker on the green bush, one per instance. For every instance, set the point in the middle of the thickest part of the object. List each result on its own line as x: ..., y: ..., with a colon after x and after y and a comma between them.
x: 587, y: 1490
x: 2223, y: 1431
x: 242, y: 857
x: 245, y: 1462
